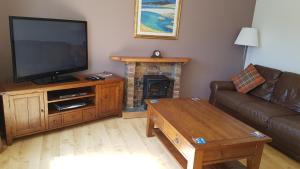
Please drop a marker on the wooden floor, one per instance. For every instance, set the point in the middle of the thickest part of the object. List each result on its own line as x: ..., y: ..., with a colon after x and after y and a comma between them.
x: 109, y: 144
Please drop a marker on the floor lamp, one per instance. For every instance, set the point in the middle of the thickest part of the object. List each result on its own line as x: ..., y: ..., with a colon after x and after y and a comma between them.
x: 247, y: 37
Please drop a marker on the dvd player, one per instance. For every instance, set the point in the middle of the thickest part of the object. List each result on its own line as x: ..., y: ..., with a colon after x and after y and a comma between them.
x: 72, y: 95
x: 62, y: 106
x: 65, y: 94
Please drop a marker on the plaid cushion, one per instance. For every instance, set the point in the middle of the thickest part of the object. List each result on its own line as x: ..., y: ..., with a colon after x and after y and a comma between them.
x: 247, y: 80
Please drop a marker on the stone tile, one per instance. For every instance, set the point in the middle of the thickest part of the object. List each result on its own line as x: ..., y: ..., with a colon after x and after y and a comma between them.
x: 176, y: 94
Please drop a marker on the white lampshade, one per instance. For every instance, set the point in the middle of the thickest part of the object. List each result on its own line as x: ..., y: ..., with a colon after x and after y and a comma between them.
x: 248, y: 37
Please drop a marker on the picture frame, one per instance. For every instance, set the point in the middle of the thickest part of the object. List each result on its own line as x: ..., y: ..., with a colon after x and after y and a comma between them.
x: 157, y: 19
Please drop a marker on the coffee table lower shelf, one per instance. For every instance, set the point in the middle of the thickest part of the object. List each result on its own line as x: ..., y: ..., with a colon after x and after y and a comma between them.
x: 183, y: 162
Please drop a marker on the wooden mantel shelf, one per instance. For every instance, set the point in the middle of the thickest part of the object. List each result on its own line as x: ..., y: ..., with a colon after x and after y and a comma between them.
x: 128, y: 59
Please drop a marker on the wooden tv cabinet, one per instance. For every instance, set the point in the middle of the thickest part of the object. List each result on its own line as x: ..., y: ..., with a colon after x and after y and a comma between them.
x: 29, y: 108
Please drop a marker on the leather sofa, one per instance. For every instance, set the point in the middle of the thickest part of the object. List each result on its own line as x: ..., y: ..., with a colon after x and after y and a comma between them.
x: 272, y: 108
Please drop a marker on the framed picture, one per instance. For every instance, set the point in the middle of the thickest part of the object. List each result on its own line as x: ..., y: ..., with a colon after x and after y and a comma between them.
x: 157, y: 19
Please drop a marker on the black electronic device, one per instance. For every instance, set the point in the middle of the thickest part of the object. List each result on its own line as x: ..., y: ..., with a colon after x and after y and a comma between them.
x: 62, y: 106
x: 64, y: 94
x: 44, y: 48
x: 95, y: 78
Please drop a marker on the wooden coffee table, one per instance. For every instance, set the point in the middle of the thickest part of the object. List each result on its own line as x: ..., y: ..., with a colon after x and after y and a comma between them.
x: 178, y: 121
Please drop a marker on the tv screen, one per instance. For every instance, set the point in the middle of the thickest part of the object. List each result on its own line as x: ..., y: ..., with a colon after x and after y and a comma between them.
x: 47, y: 47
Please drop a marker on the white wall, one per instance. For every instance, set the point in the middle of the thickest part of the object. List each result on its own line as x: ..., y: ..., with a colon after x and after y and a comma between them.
x: 279, y: 24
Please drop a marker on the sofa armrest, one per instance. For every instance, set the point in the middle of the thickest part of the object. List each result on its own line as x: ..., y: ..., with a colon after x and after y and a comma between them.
x: 215, y: 86
x: 222, y: 85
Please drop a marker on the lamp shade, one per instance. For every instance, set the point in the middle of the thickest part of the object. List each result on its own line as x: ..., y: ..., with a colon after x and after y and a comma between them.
x: 248, y: 37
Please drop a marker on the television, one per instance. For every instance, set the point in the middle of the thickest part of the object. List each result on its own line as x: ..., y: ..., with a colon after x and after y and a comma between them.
x: 44, y: 48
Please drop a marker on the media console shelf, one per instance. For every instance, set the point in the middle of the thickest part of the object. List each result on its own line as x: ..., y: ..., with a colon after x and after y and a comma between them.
x: 29, y: 108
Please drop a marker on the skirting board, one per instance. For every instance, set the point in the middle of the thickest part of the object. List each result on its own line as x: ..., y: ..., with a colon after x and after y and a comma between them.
x: 132, y: 115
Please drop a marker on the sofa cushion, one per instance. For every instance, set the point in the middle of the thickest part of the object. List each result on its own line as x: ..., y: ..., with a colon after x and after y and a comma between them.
x: 289, y: 125
x: 255, y: 110
x: 247, y: 80
x: 233, y: 99
x: 266, y: 90
x: 286, y: 128
x: 287, y: 91
x: 259, y: 112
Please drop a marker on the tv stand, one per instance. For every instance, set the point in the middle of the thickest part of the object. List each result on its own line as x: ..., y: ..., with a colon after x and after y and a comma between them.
x: 30, y: 108
x: 55, y: 79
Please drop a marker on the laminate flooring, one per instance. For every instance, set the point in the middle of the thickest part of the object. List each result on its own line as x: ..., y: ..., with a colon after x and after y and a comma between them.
x: 107, y: 144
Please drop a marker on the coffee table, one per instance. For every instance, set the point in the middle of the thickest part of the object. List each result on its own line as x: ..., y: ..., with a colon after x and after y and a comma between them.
x: 177, y: 122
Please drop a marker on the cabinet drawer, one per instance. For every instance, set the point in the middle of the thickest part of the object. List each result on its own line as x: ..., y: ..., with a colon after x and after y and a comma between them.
x: 170, y: 132
x: 72, y: 117
x: 89, y: 114
x: 177, y: 140
x: 54, y: 121
x: 236, y: 151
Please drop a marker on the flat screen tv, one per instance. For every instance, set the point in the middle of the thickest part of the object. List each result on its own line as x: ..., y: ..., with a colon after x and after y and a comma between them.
x: 44, y: 48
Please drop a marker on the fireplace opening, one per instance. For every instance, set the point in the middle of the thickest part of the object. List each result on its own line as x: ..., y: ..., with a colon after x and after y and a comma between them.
x: 156, y: 87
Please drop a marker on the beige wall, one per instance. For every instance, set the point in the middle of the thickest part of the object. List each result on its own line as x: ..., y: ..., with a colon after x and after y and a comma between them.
x: 278, y: 23
x: 208, y: 29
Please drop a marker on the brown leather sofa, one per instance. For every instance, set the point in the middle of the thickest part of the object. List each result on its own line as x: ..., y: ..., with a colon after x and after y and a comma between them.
x: 272, y: 108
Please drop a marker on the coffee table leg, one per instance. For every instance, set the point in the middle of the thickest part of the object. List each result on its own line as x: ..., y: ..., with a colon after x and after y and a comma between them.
x: 195, y: 161
x: 254, y: 161
x: 150, y: 126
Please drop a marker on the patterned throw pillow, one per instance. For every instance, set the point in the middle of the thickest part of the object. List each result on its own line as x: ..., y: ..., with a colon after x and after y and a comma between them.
x: 247, y: 80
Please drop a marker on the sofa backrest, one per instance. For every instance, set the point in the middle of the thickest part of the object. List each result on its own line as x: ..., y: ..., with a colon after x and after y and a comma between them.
x: 266, y: 90
x: 287, y: 91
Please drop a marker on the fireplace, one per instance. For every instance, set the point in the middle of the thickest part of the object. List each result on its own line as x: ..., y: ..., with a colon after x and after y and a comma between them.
x: 157, y: 86
x: 167, y: 73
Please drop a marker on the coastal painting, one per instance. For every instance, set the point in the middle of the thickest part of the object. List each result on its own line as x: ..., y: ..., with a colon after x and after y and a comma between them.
x: 157, y: 19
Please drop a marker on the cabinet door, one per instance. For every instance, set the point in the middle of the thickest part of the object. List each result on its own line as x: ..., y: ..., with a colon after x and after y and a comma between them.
x: 110, y: 101
x: 29, y: 113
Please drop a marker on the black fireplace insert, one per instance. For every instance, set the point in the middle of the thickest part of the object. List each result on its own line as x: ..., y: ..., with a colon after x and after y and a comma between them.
x: 157, y: 86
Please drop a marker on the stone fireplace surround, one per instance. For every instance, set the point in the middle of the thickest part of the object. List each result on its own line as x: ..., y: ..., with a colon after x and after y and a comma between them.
x: 137, y: 67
